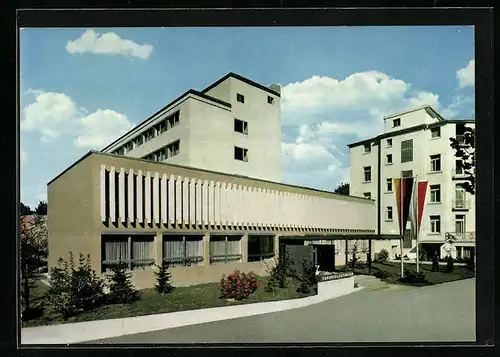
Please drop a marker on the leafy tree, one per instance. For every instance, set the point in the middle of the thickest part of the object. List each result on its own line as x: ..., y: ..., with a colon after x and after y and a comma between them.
x: 34, y: 243
x: 465, y: 150
x: 41, y: 209
x: 121, y: 289
x: 74, y: 289
x: 25, y: 210
x: 163, y: 276
x: 342, y: 189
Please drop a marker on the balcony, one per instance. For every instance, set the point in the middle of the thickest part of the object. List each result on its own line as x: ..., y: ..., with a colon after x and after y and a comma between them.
x: 461, y: 236
x: 461, y: 205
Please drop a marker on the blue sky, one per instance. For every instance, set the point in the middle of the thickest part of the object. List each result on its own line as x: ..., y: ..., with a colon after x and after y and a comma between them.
x: 81, y: 88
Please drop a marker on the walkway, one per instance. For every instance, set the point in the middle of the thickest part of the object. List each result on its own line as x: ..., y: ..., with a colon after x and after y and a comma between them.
x: 379, y: 313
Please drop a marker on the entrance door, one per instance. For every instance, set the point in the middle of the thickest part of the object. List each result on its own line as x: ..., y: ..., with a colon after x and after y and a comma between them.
x: 326, y: 257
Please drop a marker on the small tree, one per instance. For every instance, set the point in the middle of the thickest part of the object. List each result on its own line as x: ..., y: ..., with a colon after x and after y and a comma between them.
x: 435, y: 262
x: 33, y: 251
x: 25, y: 210
x: 382, y: 256
x: 343, y: 189
x: 121, y: 289
x: 355, y: 258
x: 465, y: 150
x: 41, y: 209
x: 163, y: 279
x: 308, y: 279
x: 74, y: 289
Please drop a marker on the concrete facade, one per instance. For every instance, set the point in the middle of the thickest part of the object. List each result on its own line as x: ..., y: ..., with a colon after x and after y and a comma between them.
x: 205, y: 130
x: 430, y: 135
x: 102, y: 197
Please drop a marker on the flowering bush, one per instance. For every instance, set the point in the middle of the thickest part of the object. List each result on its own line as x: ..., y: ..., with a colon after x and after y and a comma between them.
x: 238, y: 285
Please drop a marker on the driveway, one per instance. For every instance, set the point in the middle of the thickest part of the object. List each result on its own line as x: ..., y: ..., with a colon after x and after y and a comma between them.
x: 378, y: 313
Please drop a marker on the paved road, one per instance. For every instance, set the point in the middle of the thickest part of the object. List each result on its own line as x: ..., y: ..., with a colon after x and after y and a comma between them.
x: 378, y: 313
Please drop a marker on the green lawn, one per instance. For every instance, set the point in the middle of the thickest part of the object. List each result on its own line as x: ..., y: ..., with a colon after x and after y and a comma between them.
x: 394, y: 270
x: 181, y: 299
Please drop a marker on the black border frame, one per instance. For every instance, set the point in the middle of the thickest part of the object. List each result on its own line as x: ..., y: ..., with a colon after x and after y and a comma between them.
x: 482, y: 19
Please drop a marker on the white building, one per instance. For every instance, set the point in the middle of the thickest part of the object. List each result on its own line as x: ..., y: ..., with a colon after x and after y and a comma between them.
x: 232, y: 126
x: 415, y: 143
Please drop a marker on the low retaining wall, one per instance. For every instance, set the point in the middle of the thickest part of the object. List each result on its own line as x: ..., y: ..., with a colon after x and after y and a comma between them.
x: 95, y: 330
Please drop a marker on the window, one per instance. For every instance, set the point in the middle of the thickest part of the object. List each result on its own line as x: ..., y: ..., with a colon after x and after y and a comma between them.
x: 389, y: 143
x: 172, y: 120
x: 388, y: 159
x: 225, y: 249
x: 407, y: 174
x: 436, y: 163
x: 240, y: 98
x: 459, y: 197
x: 270, y: 99
x: 436, y: 132
x: 435, y: 193
x: 165, y: 152
x: 260, y: 247
x: 460, y: 223
x: 367, y: 195
x: 136, y: 251
x: 367, y: 148
x: 183, y: 250
x: 459, y: 168
x: 120, y: 151
x: 240, y: 154
x: 388, y: 186
x: 129, y: 146
x: 138, y: 140
x: 388, y: 215
x: 149, y: 134
x: 407, y: 150
x: 368, y: 173
x: 241, y: 126
x: 435, y: 224
x: 396, y: 122
x: 161, y: 127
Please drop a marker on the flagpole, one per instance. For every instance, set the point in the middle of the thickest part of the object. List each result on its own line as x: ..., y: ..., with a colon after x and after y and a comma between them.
x: 415, y: 207
x: 401, y: 226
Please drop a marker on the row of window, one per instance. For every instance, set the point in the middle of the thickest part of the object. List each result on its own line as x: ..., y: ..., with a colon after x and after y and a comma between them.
x: 165, y: 152
x: 435, y: 221
x: 137, y: 251
x: 241, y: 98
x: 166, y: 124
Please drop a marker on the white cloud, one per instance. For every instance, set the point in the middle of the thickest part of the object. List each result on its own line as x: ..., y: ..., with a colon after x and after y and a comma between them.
x: 108, y: 43
x: 466, y: 76
x: 101, y: 128
x: 56, y: 115
x: 325, y: 114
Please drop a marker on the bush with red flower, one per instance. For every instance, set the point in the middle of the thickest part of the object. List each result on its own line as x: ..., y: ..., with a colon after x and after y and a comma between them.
x: 238, y: 285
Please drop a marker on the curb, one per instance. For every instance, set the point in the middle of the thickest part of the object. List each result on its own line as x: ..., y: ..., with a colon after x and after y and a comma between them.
x: 102, y: 329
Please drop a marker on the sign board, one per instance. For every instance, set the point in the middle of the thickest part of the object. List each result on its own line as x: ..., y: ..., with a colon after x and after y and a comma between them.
x: 319, y: 242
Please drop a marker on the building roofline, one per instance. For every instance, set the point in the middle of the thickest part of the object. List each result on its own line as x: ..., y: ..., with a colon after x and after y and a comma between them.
x: 410, y: 130
x: 243, y: 79
x: 165, y: 108
x: 426, y: 107
x: 95, y: 152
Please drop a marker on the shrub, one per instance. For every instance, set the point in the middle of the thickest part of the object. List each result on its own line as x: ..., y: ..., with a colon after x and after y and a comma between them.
x: 279, y: 272
x: 74, y: 290
x: 308, y: 279
x: 381, y: 274
x: 121, y: 289
x: 412, y: 277
x: 163, y: 276
x: 238, y: 285
x: 450, y: 264
x: 382, y: 256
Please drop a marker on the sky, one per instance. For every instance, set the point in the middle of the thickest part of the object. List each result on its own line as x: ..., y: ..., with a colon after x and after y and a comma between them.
x: 81, y: 88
